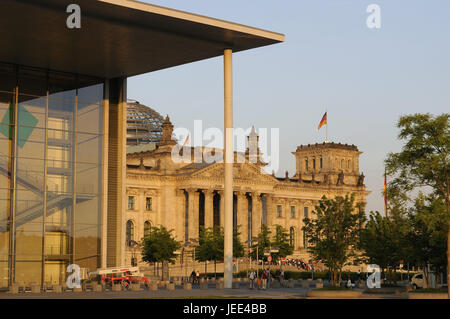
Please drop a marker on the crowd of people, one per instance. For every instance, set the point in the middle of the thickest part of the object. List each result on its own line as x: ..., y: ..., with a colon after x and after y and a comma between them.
x: 263, y: 279
x: 299, y: 264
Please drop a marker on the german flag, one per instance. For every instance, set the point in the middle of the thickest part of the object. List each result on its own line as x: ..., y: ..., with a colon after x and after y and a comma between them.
x: 323, y: 121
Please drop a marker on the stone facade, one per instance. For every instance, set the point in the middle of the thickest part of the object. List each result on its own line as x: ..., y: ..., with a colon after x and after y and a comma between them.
x: 185, y: 196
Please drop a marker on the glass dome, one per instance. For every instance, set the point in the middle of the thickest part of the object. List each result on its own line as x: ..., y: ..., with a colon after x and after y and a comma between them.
x: 144, y: 125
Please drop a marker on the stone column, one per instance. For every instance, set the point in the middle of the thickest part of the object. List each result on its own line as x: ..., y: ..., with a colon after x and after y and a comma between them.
x: 209, y: 209
x: 270, y: 210
x: 180, y: 215
x: 242, y: 215
x: 222, y: 208
x: 192, y: 213
x: 256, y: 214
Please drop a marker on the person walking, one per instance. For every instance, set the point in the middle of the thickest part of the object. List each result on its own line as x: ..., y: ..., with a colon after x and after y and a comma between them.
x: 197, y: 276
x: 251, y: 277
x: 264, y: 279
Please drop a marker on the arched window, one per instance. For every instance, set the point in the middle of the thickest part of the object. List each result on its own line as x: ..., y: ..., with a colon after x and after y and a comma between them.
x: 129, y: 232
x: 147, y: 227
x: 291, y: 236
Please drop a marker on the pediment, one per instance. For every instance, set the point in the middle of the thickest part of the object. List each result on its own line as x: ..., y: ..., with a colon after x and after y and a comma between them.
x: 244, y: 171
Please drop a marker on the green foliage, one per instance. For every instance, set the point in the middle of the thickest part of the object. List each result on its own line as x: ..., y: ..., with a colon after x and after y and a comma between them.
x: 265, y: 241
x: 334, y: 234
x: 424, y: 158
x: 159, y: 246
x: 211, y: 245
x: 281, y: 240
x: 262, y: 243
x: 429, y: 221
x: 422, y: 165
x: 383, y: 240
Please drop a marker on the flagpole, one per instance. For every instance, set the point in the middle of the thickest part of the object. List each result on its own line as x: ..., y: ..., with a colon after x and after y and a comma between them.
x: 385, y: 193
x: 326, y: 111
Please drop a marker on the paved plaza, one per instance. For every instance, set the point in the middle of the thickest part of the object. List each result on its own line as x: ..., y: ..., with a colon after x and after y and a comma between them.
x: 180, y: 293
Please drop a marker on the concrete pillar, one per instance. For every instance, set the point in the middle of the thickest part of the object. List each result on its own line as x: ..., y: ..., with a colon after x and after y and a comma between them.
x: 209, y: 209
x: 228, y: 171
x: 116, y: 161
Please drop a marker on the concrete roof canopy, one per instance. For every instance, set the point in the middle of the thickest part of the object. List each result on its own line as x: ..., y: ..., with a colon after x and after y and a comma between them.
x: 117, y: 38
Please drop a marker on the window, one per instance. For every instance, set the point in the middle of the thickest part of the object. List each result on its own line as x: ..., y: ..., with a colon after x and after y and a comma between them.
x: 314, y: 163
x: 279, y: 210
x: 148, y: 204
x: 130, y: 202
x: 147, y: 228
x: 321, y: 163
x: 306, y: 164
x: 292, y: 211
x: 305, y: 212
x: 129, y: 232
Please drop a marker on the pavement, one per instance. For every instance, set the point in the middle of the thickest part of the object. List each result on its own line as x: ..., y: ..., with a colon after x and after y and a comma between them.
x: 179, y: 293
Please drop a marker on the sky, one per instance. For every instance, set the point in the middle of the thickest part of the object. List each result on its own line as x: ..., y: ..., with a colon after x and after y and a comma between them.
x: 365, y: 78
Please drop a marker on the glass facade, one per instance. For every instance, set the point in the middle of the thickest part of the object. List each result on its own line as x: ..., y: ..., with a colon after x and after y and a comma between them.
x: 50, y: 174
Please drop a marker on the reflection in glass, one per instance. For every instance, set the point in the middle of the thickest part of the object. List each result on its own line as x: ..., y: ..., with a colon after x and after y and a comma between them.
x: 58, y: 158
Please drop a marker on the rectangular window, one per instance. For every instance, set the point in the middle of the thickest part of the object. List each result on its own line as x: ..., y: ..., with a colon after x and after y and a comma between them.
x: 278, y: 210
x: 305, y: 212
x: 292, y: 211
x: 148, y: 204
x: 130, y: 202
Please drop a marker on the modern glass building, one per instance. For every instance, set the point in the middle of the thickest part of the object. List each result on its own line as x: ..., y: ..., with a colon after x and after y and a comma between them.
x: 50, y: 173
x: 63, y: 122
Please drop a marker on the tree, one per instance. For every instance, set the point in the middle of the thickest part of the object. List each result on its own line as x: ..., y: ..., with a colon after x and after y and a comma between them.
x: 423, y: 160
x: 211, y: 245
x: 281, y: 240
x: 427, y: 238
x: 159, y: 245
x: 383, y: 239
x: 333, y: 235
x: 262, y: 244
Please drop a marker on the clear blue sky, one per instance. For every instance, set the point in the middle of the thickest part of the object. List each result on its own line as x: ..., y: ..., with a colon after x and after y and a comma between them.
x: 366, y: 78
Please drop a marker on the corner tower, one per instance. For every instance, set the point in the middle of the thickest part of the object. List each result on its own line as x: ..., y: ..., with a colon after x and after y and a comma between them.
x: 331, y: 163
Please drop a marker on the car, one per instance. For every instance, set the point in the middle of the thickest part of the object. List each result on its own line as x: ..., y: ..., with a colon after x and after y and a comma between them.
x: 417, y: 281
